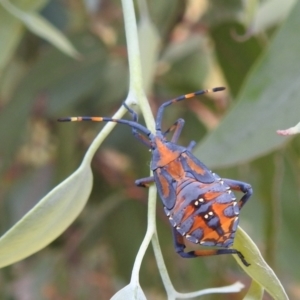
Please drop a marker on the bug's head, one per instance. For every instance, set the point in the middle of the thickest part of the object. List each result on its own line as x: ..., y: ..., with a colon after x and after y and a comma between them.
x: 164, y: 152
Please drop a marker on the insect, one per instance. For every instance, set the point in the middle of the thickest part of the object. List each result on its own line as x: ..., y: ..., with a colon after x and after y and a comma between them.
x: 200, y: 205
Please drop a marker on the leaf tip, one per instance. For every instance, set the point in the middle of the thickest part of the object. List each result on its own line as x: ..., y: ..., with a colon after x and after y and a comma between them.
x: 290, y: 131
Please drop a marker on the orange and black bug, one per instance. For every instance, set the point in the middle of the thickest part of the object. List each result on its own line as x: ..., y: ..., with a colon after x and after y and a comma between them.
x: 200, y: 205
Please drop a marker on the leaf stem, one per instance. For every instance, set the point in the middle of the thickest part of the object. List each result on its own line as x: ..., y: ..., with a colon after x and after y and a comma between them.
x: 136, y: 92
x: 151, y: 229
x: 102, y: 136
x: 134, y: 59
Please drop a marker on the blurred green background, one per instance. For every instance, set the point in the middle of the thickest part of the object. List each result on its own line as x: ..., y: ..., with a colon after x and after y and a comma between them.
x: 253, y: 51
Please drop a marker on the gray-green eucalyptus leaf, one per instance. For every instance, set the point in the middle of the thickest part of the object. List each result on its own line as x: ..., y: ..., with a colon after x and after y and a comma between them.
x: 130, y: 291
x: 268, y: 101
x: 259, y: 269
x: 48, y: 219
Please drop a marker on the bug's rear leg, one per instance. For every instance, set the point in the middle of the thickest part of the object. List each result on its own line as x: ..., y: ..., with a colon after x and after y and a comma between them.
x: 144, y: 182
x: 241, y: 187
x: 180, y: 246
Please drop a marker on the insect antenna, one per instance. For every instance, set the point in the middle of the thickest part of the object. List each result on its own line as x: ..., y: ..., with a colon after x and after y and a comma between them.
x: 180, y: 98
x: 131, y: 124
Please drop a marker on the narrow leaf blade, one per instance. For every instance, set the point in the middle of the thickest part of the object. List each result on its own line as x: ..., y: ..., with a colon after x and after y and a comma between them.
x: 130, y: 291
x: 269, y: 14
x: 255, y: 292
x: 269, y: 100
x: 41, y: 27
x: 259, y: 269
x: 48, y: 219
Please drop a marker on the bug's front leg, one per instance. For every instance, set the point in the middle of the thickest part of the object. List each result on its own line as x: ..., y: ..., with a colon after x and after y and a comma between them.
x: 191, y: 145
x: 137, y: 135
x: 180, y: 246
x: 177, y: 128
x: 240, y: 186
x: 144, y: 182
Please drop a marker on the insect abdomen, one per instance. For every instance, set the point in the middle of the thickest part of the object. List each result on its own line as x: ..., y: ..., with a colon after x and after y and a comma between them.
x: 205, y: 214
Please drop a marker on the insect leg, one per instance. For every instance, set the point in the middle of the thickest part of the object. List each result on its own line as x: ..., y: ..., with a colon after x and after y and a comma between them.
x: 144, y: 182
x: 180, y: 246
x: 191, y: 145
x: 242, y: 187
x: 141, y: 138
x: 177, y: 127
x: 132, y: 112
x: 135, y: 133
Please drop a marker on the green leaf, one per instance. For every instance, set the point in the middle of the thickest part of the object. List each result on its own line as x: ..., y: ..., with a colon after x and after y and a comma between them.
x: 165, y: 14
x: 259, y: 269
x: 270, y: 13
x: 188, y: 63
x: 149, y: 43
x: 63, y: 82
x: 255, y: 292
x: 234, y: 65
x: 220, y: 11
x: 56, y: 211
x: 131, y: 291
x: 48, y: 219
x: 268, y: 101
x: 41, y: 27
x: 290, y: 131
x: 10, y: 34
x: 11, y: 30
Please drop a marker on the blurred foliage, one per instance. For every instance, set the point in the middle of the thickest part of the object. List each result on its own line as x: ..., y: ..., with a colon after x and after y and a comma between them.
x: 200, y: 47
